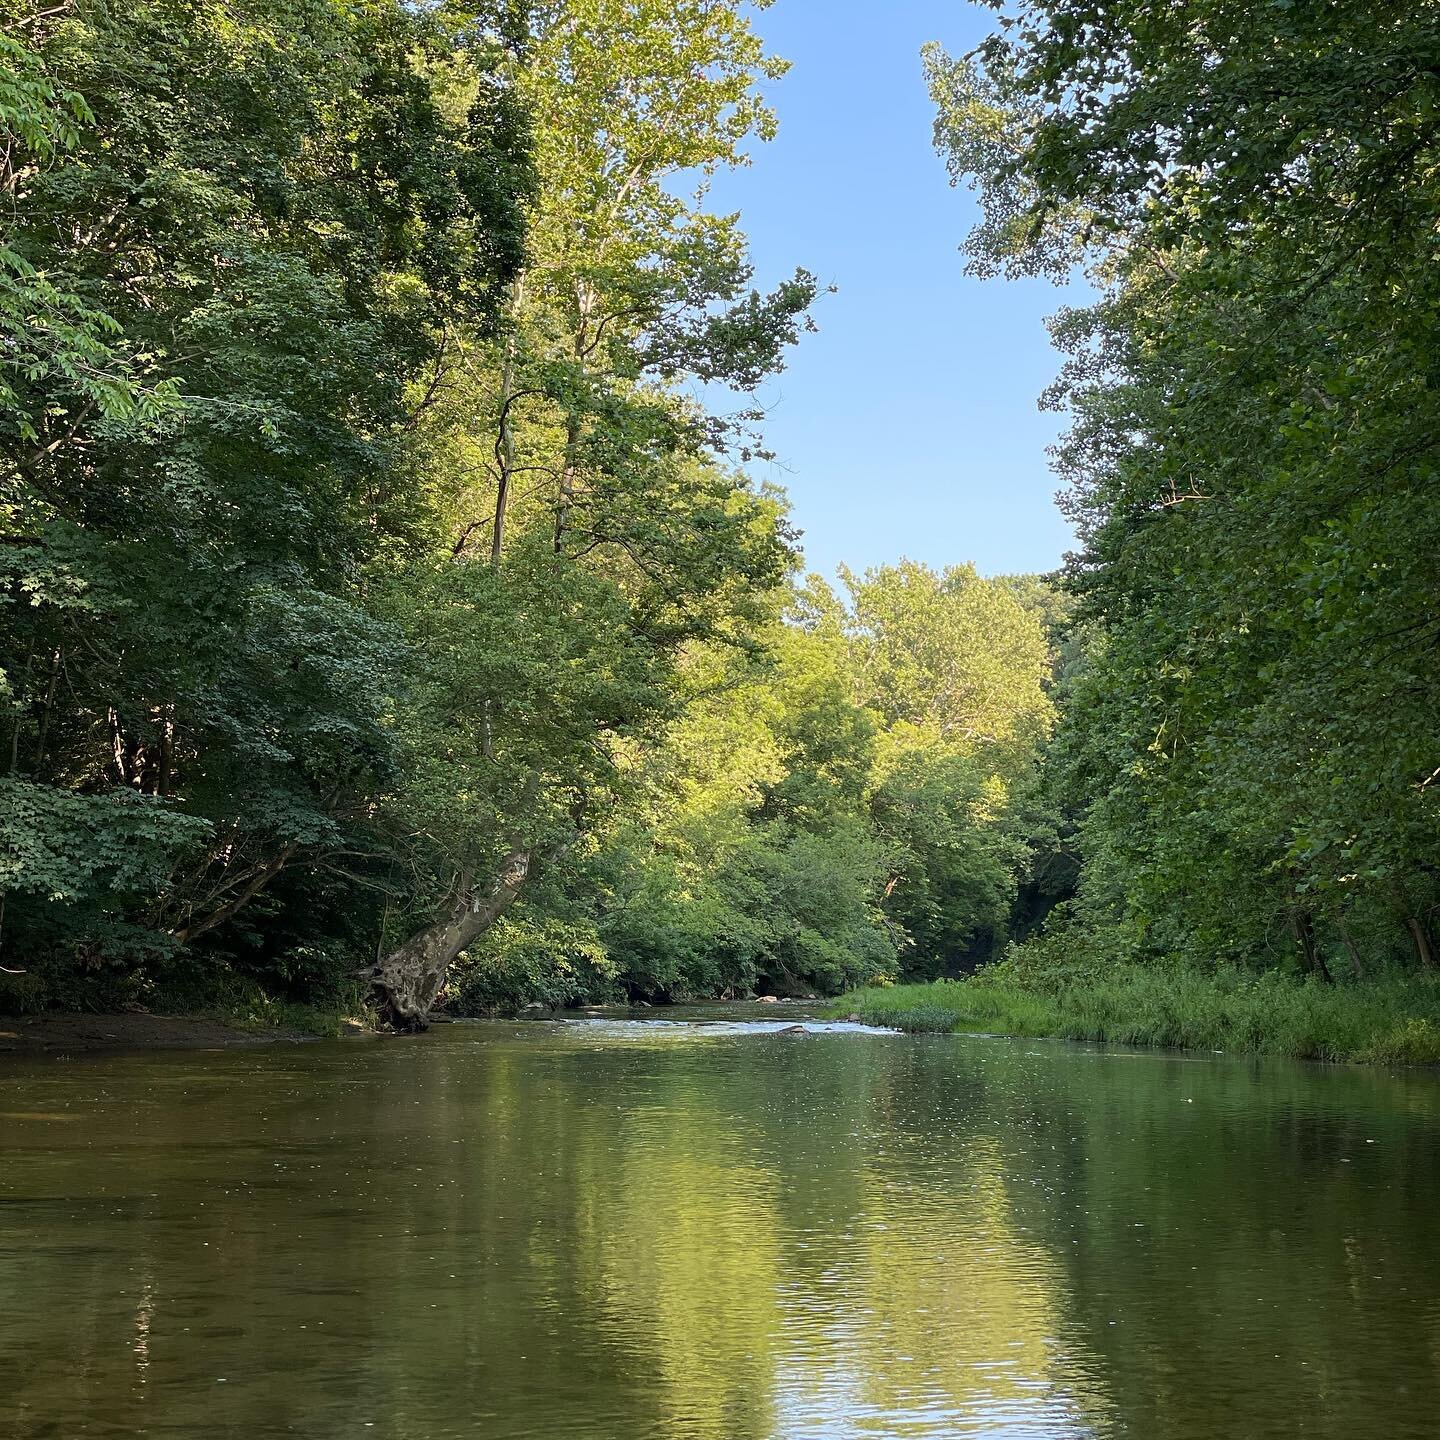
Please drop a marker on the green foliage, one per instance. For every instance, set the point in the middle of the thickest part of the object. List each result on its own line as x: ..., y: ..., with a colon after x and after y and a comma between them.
x: 51, y: 336
x: 543, y: 960
x: 226, y: 264
x: 954, y: 850
x: 583, y: 523
x: 361, y: 540
x: 784, y: 911
x: 62, y: 847
x: 1250, y: 747
x: 296, y: 339
x: 808, y: 825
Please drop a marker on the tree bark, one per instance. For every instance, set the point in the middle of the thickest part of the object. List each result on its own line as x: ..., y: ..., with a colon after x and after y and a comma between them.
x: 1353, y: 950
x: 1311, y: 959
x: 166, y: 761
x: 505, y: 439
x: 45, y: 714
x: 410, y: 979
x: 565, y: 499
x: 254, y: 884
x: 574, y: 430
x: 1420, y: 936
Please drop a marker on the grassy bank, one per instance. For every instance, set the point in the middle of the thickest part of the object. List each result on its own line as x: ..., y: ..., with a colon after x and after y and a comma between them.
x: 1389, y: 1022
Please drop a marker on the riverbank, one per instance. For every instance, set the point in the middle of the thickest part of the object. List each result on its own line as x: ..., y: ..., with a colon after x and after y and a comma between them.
x: 1391, y: 1022
x: 70, y: 1033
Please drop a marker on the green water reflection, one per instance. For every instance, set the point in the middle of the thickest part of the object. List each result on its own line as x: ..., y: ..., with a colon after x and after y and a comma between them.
x: 611, y: 1232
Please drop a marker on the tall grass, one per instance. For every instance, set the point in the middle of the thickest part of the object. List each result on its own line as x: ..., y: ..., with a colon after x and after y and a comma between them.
x: 1387, y: 1022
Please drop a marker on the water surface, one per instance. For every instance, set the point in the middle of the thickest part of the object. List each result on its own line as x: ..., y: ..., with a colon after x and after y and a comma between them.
x: 618, y: 1229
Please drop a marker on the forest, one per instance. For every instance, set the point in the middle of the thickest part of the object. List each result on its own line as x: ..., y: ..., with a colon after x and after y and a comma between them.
x: 389, y: 619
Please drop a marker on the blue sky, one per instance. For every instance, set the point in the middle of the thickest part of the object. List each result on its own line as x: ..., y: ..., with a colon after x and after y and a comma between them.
x: 908, y: 426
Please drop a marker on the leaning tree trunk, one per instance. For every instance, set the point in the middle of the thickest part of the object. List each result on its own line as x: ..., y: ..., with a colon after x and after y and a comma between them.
x: 409, y: 979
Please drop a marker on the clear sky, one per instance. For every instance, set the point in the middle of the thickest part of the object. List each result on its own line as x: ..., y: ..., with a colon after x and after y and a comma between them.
x: 909, y: 425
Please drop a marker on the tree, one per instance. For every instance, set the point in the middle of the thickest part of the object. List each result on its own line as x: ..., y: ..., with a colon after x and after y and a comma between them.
x: 850, y: 803
x: 752, y: 864
x: 593, y: 493
x: 239, y: 253
x: 1253, y: 460
x: 957, y: 669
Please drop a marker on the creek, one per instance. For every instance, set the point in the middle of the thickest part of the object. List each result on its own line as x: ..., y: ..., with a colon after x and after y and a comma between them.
x: 703, y: 1226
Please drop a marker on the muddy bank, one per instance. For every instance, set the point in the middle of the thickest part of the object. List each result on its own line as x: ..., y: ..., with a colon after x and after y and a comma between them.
x: 68, y: 1034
